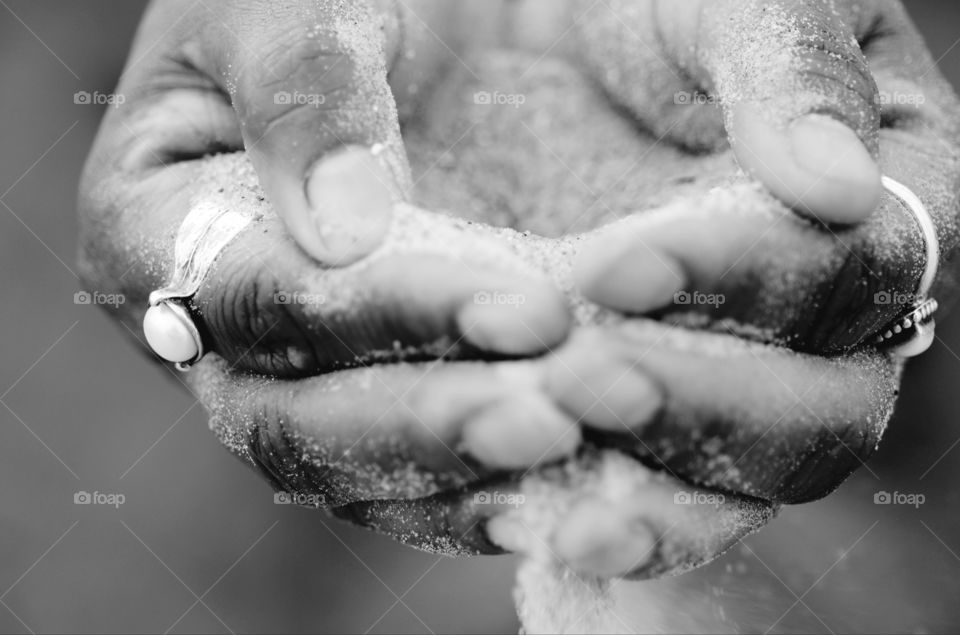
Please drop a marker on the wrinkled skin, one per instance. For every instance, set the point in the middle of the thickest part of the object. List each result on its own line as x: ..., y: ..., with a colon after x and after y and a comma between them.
x: 207, y: 84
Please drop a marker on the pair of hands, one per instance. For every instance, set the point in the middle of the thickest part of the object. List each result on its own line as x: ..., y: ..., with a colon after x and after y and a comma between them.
x: 295, y: 389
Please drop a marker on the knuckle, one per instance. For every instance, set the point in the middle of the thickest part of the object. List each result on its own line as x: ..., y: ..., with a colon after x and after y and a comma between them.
x: 232, y: 308
x: 804, y: 459
x: 839, y: 74
x: 824, y: 59
x: 844, y: 315
x: 822, y: 465
x: 834, y: 66
x: 832, y: 443
x: 252, y: 322
x: 300, y: 73
x: 252, y: 420
x: 280, y: 461
x: 868, y: 284
x: 853, y: 281
x: 253, y: 310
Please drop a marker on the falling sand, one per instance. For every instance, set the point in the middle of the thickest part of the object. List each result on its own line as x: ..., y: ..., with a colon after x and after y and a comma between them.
x: 553, y: 598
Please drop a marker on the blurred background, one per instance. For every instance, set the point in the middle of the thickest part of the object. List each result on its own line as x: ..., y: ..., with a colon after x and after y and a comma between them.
x: 198, y: 544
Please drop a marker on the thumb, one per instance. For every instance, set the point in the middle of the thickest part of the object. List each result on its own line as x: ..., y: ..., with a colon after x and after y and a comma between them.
x: 800, y: 104
x: 318, y: 118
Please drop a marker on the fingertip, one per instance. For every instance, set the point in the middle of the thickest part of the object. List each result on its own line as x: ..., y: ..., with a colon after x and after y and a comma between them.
x: 816, y: 165
x: 623, y: 273
x: 520, y: 432
x: 442, y: 399
x: 350, y: 201
x: 522, y: 320
x: 846, y: 185
x: 604, y: 394
x: 509, y: 533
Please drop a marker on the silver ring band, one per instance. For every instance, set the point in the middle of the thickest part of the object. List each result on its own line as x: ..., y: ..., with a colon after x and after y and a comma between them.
x: 912, y: 333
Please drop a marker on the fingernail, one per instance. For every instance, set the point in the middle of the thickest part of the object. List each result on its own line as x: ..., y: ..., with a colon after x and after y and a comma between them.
x: 513, y: 323
x: 509, y: 533
x: 634, y: 278
x: 596, y: 539
x: 611, y: 396
x: 829, y: 149
x: 520, y: 432
x: 351, y: 201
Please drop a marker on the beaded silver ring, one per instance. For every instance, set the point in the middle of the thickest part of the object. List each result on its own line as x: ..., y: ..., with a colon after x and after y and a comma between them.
x: 913, y: 332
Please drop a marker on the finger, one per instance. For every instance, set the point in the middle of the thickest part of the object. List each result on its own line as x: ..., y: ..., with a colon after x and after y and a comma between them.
x: 601, y: 515
x: 438, y: 288
x: 735, y: 259
x: 808, y: 134
x: 798, y: 99
x: 604, y: 392
x: 740, y: 417
x: 396, y: 431
x: 309, y: 86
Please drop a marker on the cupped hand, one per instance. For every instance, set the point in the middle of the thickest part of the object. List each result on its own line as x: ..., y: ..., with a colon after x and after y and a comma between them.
x: 765, y: 422
x: 815, y: 289
x: 303, y: 88
x: 795, y: 425
x: 820, y: 418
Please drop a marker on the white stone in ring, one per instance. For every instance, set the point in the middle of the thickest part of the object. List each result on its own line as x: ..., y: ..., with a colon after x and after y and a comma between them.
x: 171, y: 333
